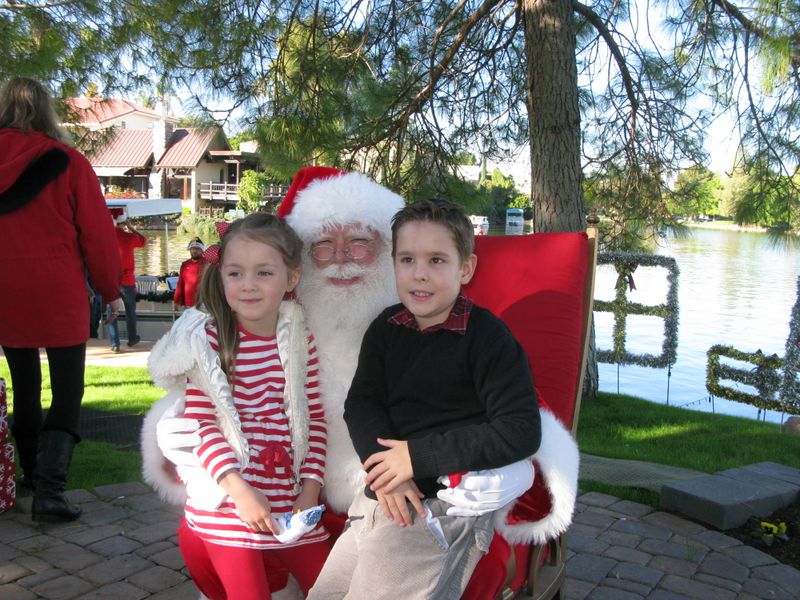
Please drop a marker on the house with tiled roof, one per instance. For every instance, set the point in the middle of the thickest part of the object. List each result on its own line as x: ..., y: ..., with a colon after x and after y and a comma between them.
x: 100, y: 113
x: 138, y: 152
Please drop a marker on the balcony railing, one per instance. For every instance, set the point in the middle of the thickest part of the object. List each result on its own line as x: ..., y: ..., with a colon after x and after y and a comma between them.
x: 229, y: 192
x: 219, y: 192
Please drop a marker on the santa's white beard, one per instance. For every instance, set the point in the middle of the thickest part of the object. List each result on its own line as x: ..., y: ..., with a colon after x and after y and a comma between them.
x: 337, y: 317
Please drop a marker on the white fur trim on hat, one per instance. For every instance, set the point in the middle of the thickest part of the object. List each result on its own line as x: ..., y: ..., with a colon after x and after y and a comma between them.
x: 342, y: 200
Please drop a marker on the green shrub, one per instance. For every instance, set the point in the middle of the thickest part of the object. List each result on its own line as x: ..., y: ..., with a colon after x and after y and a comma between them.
x: 198, y: 225
x: 252, y: 190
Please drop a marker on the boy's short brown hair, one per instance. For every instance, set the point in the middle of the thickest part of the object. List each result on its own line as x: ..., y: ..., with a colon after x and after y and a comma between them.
x: 446, y: 213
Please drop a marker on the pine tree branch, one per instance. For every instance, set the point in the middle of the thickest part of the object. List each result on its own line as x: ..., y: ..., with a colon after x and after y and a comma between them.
x: 753, y: 28
x: 597, y: 23
x: 42, y: 5
x: 627, y: 80
x: 439, y: 67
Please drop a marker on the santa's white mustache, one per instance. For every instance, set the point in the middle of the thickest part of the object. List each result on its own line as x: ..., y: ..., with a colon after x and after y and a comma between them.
x: 345, y: 271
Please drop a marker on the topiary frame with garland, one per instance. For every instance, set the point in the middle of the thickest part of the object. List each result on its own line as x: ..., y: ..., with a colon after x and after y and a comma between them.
x: 764, y: 377
x: 790, y: 389
x: 776, y: 391
x: 625, y: 264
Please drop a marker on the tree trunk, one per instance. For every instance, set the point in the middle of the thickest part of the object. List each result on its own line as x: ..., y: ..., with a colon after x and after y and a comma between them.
x: 555, y: 134
x: 591, y: 382
x: 555, y: 129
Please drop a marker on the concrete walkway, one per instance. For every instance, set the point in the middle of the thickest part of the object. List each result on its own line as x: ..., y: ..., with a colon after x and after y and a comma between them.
x: 124, y: 545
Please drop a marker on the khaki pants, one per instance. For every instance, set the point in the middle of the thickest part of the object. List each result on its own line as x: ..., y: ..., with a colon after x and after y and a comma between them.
x: 376, y: 559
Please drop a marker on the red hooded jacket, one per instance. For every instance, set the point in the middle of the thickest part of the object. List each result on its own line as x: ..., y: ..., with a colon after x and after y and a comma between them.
x: 54, y: 228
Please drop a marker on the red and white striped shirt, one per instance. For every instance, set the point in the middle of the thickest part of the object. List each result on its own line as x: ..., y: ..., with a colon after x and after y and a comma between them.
x: 258, y: 397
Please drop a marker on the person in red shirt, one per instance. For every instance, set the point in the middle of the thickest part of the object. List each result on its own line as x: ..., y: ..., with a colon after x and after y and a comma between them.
x: 128, y: 239
x: 189, y: 275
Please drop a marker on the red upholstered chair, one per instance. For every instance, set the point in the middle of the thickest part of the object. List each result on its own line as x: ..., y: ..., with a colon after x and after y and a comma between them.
x: 541, y: 285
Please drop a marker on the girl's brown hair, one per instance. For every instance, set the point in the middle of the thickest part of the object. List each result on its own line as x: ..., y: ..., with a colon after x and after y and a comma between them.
x: 260, y: 227
x: 26, y: 104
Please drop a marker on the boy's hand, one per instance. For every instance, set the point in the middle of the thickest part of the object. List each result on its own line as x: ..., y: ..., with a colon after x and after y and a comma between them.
x: 395, y: 504
x: 308, y: 496
x: 251, y: 505
x: 388, y: 469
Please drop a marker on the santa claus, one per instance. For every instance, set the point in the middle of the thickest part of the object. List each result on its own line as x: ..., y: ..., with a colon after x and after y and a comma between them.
x: 344, y: 219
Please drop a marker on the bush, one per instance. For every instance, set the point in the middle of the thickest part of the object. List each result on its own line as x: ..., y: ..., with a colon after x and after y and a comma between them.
x: 252, y: 190
x: 200, y: 226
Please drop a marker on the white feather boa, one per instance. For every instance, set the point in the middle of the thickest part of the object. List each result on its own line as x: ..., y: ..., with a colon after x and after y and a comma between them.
x: 159, y: 473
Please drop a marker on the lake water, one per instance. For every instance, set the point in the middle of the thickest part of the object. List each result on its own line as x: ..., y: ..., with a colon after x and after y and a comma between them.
x: 734, y: 288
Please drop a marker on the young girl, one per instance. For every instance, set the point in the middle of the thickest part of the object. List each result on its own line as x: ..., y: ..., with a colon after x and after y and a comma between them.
x: 246, y: 369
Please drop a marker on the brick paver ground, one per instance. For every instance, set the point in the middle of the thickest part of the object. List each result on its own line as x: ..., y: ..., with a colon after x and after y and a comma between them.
x: 124, y: 547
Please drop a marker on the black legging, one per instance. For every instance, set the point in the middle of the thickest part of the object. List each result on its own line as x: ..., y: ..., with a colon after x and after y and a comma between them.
x: 67, y: 366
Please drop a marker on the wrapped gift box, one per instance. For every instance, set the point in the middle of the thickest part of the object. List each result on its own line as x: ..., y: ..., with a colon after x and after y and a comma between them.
x: 7, y: 488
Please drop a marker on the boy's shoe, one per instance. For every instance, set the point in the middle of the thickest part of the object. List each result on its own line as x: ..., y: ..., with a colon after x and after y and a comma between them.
x: 115, y: 349
x: 134, y: 341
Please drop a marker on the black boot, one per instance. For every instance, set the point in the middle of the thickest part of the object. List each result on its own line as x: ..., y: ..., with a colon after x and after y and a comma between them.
x: 27, y: 447
x: 49, y: 502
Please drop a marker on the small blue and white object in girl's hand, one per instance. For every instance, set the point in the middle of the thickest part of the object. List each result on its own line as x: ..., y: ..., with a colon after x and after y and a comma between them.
x: 294, y: 526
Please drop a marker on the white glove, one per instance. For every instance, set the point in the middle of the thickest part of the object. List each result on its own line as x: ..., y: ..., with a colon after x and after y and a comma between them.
x: 177, y: 438
x: 480, y: 492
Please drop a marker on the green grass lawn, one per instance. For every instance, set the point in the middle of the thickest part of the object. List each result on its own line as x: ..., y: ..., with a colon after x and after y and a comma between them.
x: 118, y: 389
x: 619, y: 426
x: 614, y: 426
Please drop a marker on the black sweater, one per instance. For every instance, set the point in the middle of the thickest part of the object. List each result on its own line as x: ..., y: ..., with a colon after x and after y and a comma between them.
x: 463, y: 402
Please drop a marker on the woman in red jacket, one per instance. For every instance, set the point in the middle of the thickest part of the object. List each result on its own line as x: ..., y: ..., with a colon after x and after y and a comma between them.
x: 54, y: 228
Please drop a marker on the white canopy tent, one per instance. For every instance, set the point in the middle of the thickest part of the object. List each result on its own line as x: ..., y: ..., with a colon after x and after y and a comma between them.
x: 134, y: 207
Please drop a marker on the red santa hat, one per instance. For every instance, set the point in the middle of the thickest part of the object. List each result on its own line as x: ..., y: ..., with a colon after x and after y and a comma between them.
x: 321, y: 197
x: 118, y: 214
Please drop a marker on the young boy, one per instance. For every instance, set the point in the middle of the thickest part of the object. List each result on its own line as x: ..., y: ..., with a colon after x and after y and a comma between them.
x: 445, y: 387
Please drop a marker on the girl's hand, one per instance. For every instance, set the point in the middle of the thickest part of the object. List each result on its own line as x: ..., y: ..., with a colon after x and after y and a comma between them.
x: 308, y: 496
x: 390, y: 468
x: 251, y: 505
x: 395, y: 504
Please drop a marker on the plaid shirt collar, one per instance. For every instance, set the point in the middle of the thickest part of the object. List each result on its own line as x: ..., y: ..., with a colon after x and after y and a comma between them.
x: 455, y: 321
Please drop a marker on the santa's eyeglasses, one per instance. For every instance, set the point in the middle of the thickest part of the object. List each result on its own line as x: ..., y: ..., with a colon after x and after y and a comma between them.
x: 325, y: 251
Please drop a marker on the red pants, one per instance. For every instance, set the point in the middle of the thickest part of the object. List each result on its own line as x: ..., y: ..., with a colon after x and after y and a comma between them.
x: 227, y: 572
